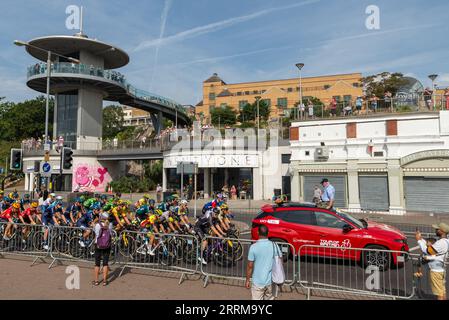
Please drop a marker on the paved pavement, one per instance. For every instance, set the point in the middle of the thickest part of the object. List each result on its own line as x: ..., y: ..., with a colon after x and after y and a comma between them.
x: 20, y: 281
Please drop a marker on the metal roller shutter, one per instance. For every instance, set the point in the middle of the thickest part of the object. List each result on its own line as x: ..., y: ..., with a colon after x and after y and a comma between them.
x: 426, y: 194
x: 339, y: 183
x: 374, y: 192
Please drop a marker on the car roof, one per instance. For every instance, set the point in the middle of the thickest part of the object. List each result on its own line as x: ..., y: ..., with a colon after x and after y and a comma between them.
x: 271, y: 207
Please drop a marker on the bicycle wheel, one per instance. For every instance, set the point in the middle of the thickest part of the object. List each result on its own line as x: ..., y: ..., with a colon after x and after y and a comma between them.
x: 188, y: 250
x: 75, y: 249
x: 38, y: 240
x: 222, y: 255
x: 126, y: 245
x: 166, y: 252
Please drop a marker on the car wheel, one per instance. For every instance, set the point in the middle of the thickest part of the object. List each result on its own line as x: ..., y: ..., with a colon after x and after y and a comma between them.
x: 381, y: 259
x: 286, y: 254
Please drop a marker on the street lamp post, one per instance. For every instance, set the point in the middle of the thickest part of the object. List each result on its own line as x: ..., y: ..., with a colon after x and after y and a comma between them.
x: 258, y: 114
x: 300, y: 66
x: 433, y: 77
x: 49, y: 54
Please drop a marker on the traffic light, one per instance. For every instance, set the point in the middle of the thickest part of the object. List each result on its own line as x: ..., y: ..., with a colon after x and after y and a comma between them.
x: 67, y: 158
x: 16, y: 159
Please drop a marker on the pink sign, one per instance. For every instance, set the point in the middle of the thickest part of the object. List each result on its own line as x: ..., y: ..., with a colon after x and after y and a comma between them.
x: 91, y: 178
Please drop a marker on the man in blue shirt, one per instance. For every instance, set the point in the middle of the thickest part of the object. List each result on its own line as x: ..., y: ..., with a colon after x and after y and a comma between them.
x: 328, y: 195
x: 260, y: 266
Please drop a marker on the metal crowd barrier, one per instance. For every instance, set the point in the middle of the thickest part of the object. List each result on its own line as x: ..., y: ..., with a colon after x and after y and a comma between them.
x: 69, y: 244
x: 173, y: 253
x: 227, y: 258
x: 354, y: 271
x: 26, y: 240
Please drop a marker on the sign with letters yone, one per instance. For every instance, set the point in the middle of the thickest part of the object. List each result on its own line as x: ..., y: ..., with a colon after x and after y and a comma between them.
x: 214, y: 161
x: 439, y: 153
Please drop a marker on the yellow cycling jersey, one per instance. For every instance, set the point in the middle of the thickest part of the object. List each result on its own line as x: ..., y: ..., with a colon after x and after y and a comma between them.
x: 121, y: 213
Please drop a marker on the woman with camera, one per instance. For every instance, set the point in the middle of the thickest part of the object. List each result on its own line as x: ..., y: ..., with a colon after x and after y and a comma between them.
x: 434, y: 256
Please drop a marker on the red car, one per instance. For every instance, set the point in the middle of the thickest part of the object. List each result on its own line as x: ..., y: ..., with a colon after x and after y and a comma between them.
x: 305, y: 224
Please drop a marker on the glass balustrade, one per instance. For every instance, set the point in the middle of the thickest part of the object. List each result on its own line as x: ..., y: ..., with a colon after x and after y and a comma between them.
x: 117, y: 77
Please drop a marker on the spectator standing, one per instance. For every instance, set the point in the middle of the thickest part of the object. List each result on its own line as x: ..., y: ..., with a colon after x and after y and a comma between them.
x: 328, y: 194
x: 428, y: 98
x: 310, y: 109
x: 388, y: 97
x: 302, y: 109
x: 436, y: 255
x: 316, y: 195
x: 159, y: 193
x: 373, y: 102
x: 260, y: 266
x: 358, y: 104
x: 233, y: 192
x: 333, y: 107
x: 103, y: 236
x: 446, y: 96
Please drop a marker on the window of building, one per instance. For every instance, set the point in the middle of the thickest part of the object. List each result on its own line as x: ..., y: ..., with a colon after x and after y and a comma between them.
x: 307, y: 153
x: 347, y: 98
x: 239, y: 93
x: 211, y: 107
x: 285, y: 158
x: 247, y: 93
x: 67, y: 105
x: 263, y: 91
x: 223, y: 105
x: 289, y: 89
x: 282, y: 102
x: 338, y: 98
x: 242, y: 103
x: 326, y: 86
x: 211, y: 96
x: 355, y: 84
x: 255, y: 92
x: 327, y: 220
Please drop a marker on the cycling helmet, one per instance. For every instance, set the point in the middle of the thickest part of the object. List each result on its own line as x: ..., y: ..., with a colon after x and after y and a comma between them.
x: 26, y: 196
x: 146, y: 196
x: 103, y: 197
x: 220, y: 196
x: 52, y: 195
x: 96, y: 207
x: 184, y: 201
x: 2, y: 192
x: 224, y: 206
x: 59, y: 198
x: 16, y: 205
x: 152, y: 202
x: 34, y: 204
x: 159, y: 212
x: 96, y: 195
x: 77, y: 200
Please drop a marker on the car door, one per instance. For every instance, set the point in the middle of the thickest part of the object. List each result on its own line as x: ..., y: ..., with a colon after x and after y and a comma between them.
x: 330, y: 232
x: 299, y: 225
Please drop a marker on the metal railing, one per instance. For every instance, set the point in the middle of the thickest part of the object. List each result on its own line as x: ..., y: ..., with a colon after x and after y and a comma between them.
x: 372, y: 272
x: 25, y: 240
x: 174, y: 253
x: 227, y: 259
x: 367, y: 107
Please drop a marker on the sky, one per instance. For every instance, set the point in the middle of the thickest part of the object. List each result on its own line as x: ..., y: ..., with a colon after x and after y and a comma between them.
x: 174, y: 45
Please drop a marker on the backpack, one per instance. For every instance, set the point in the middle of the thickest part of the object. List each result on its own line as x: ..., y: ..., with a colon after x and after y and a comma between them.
x: 104, y: 239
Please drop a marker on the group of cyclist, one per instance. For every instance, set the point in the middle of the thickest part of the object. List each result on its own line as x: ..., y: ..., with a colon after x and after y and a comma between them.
x: 170, y: 216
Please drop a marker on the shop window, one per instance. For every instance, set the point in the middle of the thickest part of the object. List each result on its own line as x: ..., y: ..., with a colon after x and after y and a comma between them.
x: 282, y: 102
x: 285, y: 158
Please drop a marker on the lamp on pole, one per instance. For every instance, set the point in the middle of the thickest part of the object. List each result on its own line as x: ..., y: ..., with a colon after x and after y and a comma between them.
x: 300, y: 66
x: 258, y: 114
x: 433, y: 77
x: 49, y: 55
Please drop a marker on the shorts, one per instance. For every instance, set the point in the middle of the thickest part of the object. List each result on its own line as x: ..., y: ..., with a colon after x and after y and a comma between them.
x: 358, y: 108
x: 102, y: 254
x: 82, y: 225
x: 334, y: 112
x: 438, y: 283
x: 201, y: 234
x: 262, y: 293
x: 3, y: 220
x: 27, y: 220
x: 47, y: 221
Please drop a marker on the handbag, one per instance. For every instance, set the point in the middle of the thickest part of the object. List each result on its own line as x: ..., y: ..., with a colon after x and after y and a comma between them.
x: 277, y: 272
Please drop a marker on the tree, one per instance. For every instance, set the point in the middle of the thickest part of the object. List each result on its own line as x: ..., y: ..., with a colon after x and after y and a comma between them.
x: 249, y: 111
x: 223, y: 116
x: 24, y: 120
x: 153, y: 173
x: 379, y: 83
x: 113, y: 119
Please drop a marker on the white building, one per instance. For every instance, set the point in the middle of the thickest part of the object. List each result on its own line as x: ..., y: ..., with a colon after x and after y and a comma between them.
x: 395, y: 163
x: 222, y: 162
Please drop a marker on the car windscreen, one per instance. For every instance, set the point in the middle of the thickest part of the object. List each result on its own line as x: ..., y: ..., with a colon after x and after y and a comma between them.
x: 350, y: 218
